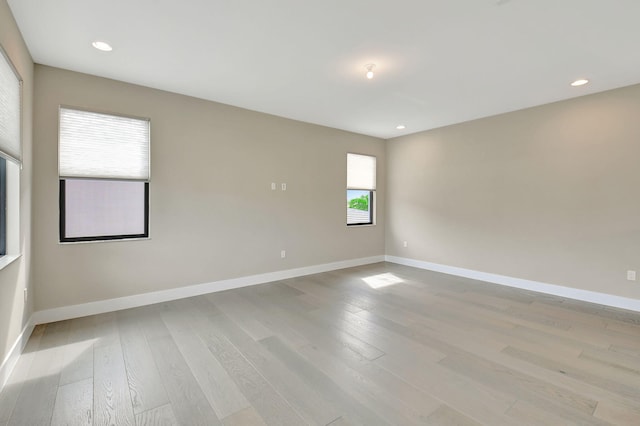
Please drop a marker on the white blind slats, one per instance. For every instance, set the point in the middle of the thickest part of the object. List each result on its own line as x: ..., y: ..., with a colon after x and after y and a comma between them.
x: 9, y: 111
x: 95, y: 145
x: 361, y: 172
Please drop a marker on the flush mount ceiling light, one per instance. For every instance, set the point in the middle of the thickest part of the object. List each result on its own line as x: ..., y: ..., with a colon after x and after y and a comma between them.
x: 401, y: 127
x: 370, y: 68
x: 102, y: 45
x: 580, y: 82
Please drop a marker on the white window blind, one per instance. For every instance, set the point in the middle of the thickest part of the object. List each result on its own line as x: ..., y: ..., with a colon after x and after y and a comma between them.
x: 361, y: 172
x: 10, y: 146
x: 95, y: 145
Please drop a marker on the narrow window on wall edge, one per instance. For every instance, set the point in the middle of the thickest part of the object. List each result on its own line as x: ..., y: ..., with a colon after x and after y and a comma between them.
x: 3, y: 206
x: 10, y: 156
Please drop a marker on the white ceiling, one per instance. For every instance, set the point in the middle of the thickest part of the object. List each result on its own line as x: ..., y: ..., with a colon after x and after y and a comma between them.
x: 438, y: 61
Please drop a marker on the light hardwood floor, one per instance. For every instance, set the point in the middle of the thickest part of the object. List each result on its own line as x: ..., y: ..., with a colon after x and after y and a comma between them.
x: 331, y: 349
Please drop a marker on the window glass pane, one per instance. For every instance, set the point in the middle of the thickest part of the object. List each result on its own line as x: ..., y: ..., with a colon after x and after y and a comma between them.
x: 3, y: 206
x: 359, y: 207
x: 95, y: 208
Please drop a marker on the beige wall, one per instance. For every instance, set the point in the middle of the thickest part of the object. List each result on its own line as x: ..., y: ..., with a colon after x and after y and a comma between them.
x: 14, y: 313
x: 549, y: 194
x: 213, y: 214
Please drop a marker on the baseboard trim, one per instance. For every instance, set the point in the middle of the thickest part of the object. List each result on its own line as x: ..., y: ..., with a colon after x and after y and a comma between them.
x: 117, y: 304
x: 540, y: 287
x: 11, y: 359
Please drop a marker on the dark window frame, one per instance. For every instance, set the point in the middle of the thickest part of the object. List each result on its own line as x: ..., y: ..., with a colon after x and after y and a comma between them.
x: 371, y: 204
x: 3, y: 206
x: 64, y: 239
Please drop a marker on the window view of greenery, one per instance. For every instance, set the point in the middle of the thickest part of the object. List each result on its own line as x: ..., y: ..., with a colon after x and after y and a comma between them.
x: 358, y: 207
x: 360, y: 203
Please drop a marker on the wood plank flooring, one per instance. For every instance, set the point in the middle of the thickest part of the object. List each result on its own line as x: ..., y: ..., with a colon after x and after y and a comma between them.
x: 329, y: 349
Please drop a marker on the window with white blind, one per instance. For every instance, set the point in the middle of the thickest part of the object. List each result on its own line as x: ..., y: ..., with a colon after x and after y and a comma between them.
x: 361, y: 188
x: 104, y: 168
x: 10, y: 159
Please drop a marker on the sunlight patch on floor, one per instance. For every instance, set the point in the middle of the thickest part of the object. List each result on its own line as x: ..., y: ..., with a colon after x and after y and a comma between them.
x: 58, y: 357
x: 382, y: 280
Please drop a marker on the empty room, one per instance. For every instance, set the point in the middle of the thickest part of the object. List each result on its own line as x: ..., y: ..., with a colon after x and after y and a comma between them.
x: 218, y: 212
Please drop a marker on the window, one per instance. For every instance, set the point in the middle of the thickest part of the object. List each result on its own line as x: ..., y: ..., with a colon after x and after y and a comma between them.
x: 104, y: 176
x: 10, y: 159
x: 361, y: 189
x: 3, y: 206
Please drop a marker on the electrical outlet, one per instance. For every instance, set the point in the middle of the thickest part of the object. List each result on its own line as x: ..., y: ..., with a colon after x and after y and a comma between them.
x: 283, y: 253
x: 284, y: 186
x: 631, y: 275
x: 404, y: 244
x: 26, y: 295
x: 273, y: 186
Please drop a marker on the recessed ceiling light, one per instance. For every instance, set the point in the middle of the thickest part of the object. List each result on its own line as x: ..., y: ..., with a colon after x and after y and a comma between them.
x: 401, y: 127
x: 580, y: 82
x: 102, y: 45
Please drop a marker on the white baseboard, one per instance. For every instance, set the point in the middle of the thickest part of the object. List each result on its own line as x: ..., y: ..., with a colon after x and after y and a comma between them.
x: 540, y: 287
x: 110, y: 305
x: 11, y: 359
